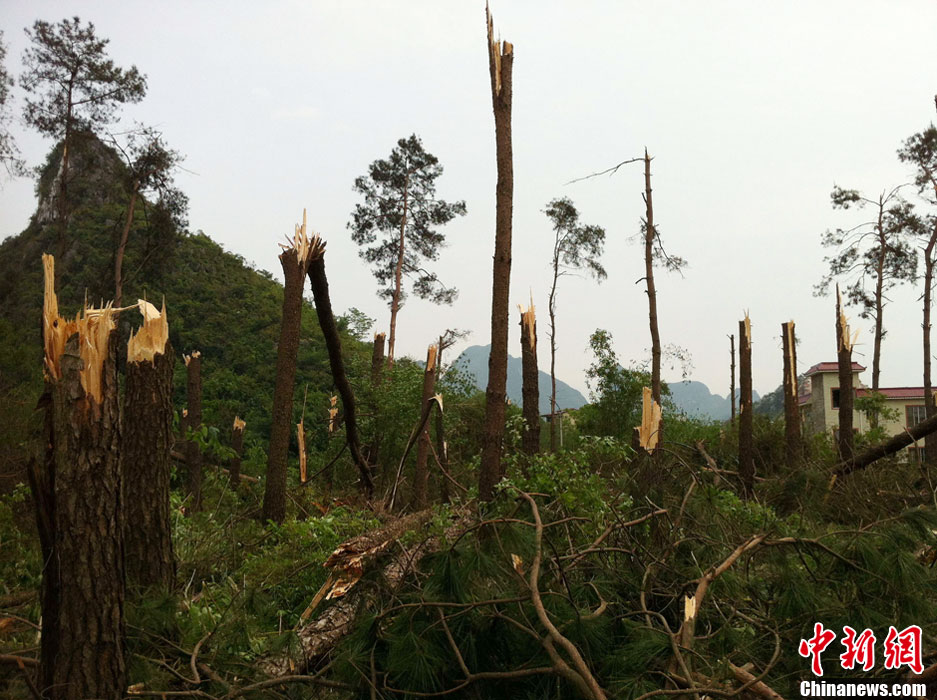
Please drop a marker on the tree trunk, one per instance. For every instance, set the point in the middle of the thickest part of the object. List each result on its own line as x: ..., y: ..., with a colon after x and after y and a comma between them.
x: 551, y: 307
x: 732, y: 377
x: 377, y: 360
x: 889, y: 447
x: 879, y: 306
x: 88, y: 520
x: 844, y: 357
x: 398, y: 277
x: 791, y: 407
x: 146, y: 443
x: 377, y: 368
x: 530, y: 440
x: 193, y: 422
x: 746, y: 452
x: 649, y: 235
x: 121, y: 249
x: 237, y: 444
x: 421, y: 473
x: 294, y: 273
x: 333, y: 343
x: 930, y: 409
x: 500, y: 64
x: 441, y: 447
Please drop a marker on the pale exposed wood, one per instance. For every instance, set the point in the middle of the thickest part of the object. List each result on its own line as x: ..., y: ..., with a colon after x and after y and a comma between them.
x: 649, y: 430
x: 529, y: 319
x: 304, y: 245
x: 301, y: 441
x: 150, y: 340
x: 847, y: 339
x: 333, y: 414
x: 239, y: 424
x: 187, y: 358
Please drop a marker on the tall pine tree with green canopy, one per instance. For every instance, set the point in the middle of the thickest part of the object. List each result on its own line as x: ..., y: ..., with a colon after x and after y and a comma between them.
x: 397, y: 224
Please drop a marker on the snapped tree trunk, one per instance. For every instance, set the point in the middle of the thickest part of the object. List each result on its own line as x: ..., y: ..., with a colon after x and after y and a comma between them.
x: 746, y: 451
x: 192, y: 423
x: 732, y: 376
x: 442, y: 450
x: 85, y: 527
x: 377, y: 369
x: 294, y: 262
x: 551, y: 308
x: 530, y: 439
x: 879, y: 304
x: 237, y: 445
x: 333, y: 343
x: 377, y: 359
x: 500, y: 65
x: 844, y: 358
x: 895, y: 444
x: 146, y: 444
x: 792, y: 444
x: 421, y: 473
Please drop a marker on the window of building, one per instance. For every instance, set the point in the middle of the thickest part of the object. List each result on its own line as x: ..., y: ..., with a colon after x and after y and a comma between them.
x: 914, y: 415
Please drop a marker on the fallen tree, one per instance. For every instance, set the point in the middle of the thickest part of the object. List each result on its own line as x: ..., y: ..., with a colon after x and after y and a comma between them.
x: 889, y: 447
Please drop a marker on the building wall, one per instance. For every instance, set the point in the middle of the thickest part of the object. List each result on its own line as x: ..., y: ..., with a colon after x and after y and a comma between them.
x: 825, y: 418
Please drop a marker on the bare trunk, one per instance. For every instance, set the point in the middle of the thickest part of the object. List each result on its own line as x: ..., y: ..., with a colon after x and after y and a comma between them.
x: 500, y: 64
x: 746, y: 452
x: 294, y: 273
x: 530, y: 440
x: 552, y: 310
x: 889, y: 447
x: 333, y: 343
x: 398, y: 278
x: 88, y: 526
x: 146, y: 444
x: 192, y: 423
x: 441, y: 447
x: 377, y: 359
x: 732, y: 376
x: 649, y: 236
x: 62, y: 232
x: 879, y: 307
x: 421, y: 473
x: 930, y: 410
x: 121, y: 249
x: 377, y: 367
x: 791, y: 407
x: 844, y: 357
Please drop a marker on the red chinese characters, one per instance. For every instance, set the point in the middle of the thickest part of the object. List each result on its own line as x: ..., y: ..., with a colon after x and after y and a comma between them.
x: 814, y: 646
x: 904, y: 648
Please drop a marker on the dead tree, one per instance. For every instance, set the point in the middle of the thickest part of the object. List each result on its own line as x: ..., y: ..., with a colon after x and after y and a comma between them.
x: 191, y: 423
x: 530, y: 440
x: 421, y: 473
x: 844, y: 342
x: 333, y: 343
x: 791, y: 408
x: 146, y: 445
x: 295, y: 262
x: 650, y: 234
x: 237, y: 445
x: 500, y: 66
x: 746, y: 452
x: 85, y: 525
x: 732, y: 377
x: 889, y: 447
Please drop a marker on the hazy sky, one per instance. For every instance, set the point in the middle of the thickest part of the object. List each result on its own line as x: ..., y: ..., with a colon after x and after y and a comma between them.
x: 752, y: 111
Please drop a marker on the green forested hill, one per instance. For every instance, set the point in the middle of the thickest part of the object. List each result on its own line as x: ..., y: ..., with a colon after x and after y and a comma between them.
x: 217, y: 303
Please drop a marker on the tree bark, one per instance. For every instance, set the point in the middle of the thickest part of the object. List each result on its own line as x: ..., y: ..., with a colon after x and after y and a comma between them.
x: 294, y: 273
x: 88, y: 524
x: 844, y: 358
x: 237, y: 444
x: 377, y: 360
x: 732, y: 377
x: 146, y: 443
x: 442, y: 451
x: 398, y: 275
x: 530, y: 439
x: 122, y: 247
x: 193, y: 422
x: 792, y: 444
x: 333, y: 343
x: 746, y: 452
x: 421, y: 473
x: 551, y: 307
x: 879, y: 306
x: 500, y: 65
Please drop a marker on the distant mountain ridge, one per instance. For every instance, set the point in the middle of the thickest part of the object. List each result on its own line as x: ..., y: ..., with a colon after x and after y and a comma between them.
x: 474, y: 360
x: 697, y: 401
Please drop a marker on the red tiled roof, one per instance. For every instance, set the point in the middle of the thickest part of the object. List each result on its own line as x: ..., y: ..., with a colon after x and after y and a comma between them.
x: 899, y: 392
x: 832, y: 367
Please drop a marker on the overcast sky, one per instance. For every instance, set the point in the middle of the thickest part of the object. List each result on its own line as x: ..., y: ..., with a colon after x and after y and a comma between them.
x: 752, y: 111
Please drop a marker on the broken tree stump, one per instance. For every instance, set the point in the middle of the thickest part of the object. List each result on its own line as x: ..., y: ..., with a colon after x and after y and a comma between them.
x: 191, y: 423
x: 295, y: 262
x: 237, y: 444
x: 732, y: 378
x: 530, y: 439
x: 421, y: 473
x: 746, y: 451
x: 844, y: 344
x: 792, y: 439
x: 146, y: 446
x: 500, y: 66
